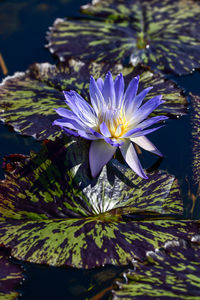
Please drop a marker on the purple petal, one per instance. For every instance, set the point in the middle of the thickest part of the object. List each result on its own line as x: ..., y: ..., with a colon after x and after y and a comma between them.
x: 144, y: 111
x: 131, y: 132
x: 108, y: 90
x: 99, y: 155
x: 87, y: 135
x: 131, y: 92
x: 79, y: 106
x: 151, y: 121
x: 104, y: 130
x: 140, y: 97
x: 97, y: 134
x: 72, y: 124
x: 66, y: 113
x: 130, y: 156
x: 96, y: 96
x: 100, y: 83
x: 119, y: 89
x: 145, y: 132
x: 146, y: 144
x: 114, y: 143
x: 70, y: 132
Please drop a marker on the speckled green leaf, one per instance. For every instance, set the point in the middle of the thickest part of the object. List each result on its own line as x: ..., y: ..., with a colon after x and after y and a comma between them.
x: 58, y: 178
x: 28, y: 100
x: 162, y: 34
x: 52, y: 212
x: 10, y: 277
x: 170, y: 273
x: 195, y: 122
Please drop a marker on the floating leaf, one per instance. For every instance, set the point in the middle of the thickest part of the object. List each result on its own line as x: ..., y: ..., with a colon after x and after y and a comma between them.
x: 52, y: 212
x: 162, y: 34
x: 10, y: 277
x: 170, y: 273
x: 195, y: 122
x: 28, y: 100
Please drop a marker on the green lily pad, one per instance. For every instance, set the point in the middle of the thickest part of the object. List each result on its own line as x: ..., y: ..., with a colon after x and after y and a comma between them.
x: 10, y: 277
x: 28, y: 100
x: 162, y: 34
x: 195, y: 122
x: 171, y: 272
x: 52, y: 212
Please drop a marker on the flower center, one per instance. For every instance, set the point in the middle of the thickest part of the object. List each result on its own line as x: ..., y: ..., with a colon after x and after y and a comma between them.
x: 114, y: 120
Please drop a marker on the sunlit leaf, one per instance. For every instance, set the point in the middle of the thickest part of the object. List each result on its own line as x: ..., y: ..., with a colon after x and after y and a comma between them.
x: 10, y: 277
x: 28, y: 100
x: 195, y: 122
x: 170, y: 273
x: 52, y: 212
x: 162, y: 34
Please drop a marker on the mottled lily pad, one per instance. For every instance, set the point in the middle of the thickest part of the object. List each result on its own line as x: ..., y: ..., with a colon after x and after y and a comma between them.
x: 28, y: 100
x: 162, y: 34
x: 170, y: 273
x: 195, y: 122
x: 52, y: 212
x: 10, y: 277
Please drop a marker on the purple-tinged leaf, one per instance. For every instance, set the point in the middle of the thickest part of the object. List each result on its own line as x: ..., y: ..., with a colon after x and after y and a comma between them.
x: 10, y: 277
x: 53, y: 212
x: 171, y: 272
x: 161, y: 34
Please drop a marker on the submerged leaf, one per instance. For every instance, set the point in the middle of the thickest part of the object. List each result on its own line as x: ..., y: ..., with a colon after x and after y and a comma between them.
x: 195, y: 122
x: 171, y: 272
x: 10, y: 277
x: 52, y: 212
x: 28, y: 100
x: 162, y: 34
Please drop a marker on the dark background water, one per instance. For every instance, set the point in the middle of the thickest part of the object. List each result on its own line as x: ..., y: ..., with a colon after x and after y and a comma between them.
x: 23, y: 26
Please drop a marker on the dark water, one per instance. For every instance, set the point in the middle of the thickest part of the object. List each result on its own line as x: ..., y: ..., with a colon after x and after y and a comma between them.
x: 23, y: 26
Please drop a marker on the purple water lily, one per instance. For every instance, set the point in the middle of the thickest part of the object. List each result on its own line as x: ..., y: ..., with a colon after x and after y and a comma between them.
x: 114, y: 119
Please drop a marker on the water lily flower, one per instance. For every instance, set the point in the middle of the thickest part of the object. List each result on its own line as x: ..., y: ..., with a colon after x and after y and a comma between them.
x: 115, y: 118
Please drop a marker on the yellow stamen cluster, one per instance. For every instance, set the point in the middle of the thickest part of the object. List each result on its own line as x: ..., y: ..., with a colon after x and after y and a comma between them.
x: 115, y: 121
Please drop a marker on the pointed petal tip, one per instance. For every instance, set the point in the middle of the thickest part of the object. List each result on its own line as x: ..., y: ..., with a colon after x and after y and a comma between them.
x: 130, y: 156
x: 149, y: 89
x: 68, y: 94
x: 92, y: 79
x: 137, y: 77
x: 145, y: 176
x: 109, y: 74
x: 164, y: 118
x: 94, y: 173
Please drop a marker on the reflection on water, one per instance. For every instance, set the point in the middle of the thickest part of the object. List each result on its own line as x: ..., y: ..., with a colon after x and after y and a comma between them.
x: 23, y: 27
